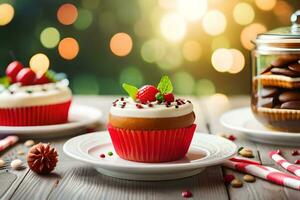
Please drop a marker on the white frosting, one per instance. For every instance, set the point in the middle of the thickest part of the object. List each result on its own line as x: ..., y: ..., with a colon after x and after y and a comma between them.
x: 157, y: 111
x: 35, y: 95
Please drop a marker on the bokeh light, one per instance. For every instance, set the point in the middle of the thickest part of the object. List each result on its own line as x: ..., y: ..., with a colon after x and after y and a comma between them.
x: 243, y: 13
x: 50, y: 37
x: 131, y: 75
x: 121, y: 44
x: 238, y: 63
x: 171, y: 60
x: 265, y: 4
x: 167, y: 4
x: 6, y: 13
x: 80, y: 86
x: 192, y: 9
x: 249, y: 33
x: 222, y: 59
x: 204, y: 87
x: 90, y: 4
x: 153, y: 50
x: 67, y: 14
x: 183, y: 83
x: 85, y: 18
x: 68, y: 48
x: 214, y: 22
x: 173, y: 27
x: 191, y: 50
x: 39, y: 63
x: 283, y: 10
x: 220, y: 42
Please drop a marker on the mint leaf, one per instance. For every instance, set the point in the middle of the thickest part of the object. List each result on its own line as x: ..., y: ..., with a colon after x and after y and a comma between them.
x: 165, y: 86
x: 4, y: 81
x: 131, y: 90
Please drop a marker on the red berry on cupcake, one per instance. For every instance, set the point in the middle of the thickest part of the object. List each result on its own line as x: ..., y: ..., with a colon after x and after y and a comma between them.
x: 26, y: 77
x: 147, y: 94
x: 169, y: 97
x: 41, y: 80
x: 13, y: 69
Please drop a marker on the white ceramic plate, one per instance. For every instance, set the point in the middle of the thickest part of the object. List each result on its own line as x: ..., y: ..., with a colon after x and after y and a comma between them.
x: 80, y: 118
x: 206, y: 150
x: 243, y: 120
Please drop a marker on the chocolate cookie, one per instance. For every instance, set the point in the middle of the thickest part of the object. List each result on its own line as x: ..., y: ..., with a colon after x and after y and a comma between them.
x: 285, y: 72
x: 295, y: 105
x: 269, y: 92
x: 295, y: 67
x: 266, y: 102
x: 285, y: 60
x: 289, y: 96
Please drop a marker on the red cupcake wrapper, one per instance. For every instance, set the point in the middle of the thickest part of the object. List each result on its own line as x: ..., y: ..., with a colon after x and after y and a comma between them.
x: 151, y: 145
x: 35, y: 115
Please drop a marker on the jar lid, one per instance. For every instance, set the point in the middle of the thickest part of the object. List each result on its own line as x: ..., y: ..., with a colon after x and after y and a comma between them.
x: 289, y: 34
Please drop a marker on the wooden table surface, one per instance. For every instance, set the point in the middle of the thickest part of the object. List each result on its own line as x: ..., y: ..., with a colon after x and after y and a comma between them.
x: 74, y: 180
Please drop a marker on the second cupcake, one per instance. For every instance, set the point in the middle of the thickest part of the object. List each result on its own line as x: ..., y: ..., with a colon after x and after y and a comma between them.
x: 151, y: 125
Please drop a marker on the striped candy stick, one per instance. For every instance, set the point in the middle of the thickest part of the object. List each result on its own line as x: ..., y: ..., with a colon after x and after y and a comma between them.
x: 8, y: 141
x: 295, y: 169
x: 268, y: 173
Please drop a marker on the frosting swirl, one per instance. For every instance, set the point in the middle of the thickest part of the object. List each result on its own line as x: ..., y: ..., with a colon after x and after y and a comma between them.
x: 126, y: 107
x: 35, y: 95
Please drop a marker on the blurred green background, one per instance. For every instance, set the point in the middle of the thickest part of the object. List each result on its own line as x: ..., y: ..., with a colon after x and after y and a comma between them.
x: 203, y: 45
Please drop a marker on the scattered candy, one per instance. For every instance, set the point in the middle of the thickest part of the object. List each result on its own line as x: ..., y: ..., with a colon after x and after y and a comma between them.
x: 186, y: 194
x: 278, y: 151
x: 249, y: 178
x: 110, y: 153
x: 228, y: 178
x: 236, y: 183
x: 246, y: 153
x: 29, y: 143
x: 2, y: 163
x: 16, y: 164
x: 20, y: 152
x: 297, y: 161
x: 13, y: 69
x: 102, y: 156
x: 295, y: 152
x: 231, y: 137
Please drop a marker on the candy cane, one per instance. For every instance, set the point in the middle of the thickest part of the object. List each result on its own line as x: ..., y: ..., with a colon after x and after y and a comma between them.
x: 267, y: 173
x: 8, y: 141
x: 295, y: 169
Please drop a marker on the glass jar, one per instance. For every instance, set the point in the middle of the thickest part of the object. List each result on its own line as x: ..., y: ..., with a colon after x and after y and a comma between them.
x: 275, y: 99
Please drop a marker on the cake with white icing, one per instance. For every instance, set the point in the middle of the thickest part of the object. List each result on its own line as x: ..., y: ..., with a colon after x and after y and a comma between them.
x: 151, y: 125
x: 27, y: 99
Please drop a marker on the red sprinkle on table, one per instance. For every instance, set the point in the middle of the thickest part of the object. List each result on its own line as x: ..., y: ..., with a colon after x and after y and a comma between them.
x: 295, y: 152
x: 102, y: 155
x: 122, y: 98
x: 231, y: 137
x: 278, y: 151
x: 297, y: 161
x: 228, y: 178
x: 186, y: 194
x: 139, y: 106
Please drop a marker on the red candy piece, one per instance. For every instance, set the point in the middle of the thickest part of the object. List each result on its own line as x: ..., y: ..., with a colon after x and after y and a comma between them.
x: 228, y: 178
x: 295, y: 152
x: 169, y: 97
x: 41, y: 80
x: 231, y: 137
x: 186, y: 194
x: 147, y: 94
x: 278, y: 151
x: 102, y: 156
x: 297, y: 161
x: 26, y: 76
x: 13, y: 69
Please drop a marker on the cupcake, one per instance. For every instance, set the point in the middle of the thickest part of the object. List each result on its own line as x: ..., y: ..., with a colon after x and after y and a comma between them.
x: 151, y: 125
x: 27, y: 99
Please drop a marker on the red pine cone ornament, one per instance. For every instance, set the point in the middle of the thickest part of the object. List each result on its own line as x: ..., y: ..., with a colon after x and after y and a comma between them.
x: 42, y: 158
